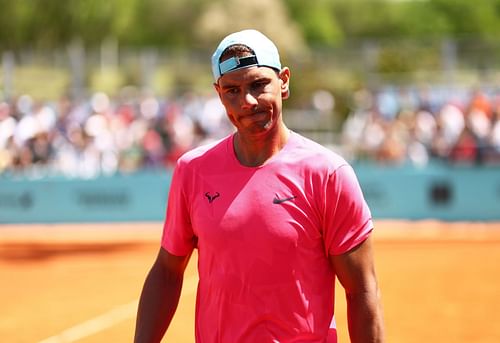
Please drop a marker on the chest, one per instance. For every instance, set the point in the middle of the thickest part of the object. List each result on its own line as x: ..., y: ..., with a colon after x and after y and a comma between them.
x: 260, y: 210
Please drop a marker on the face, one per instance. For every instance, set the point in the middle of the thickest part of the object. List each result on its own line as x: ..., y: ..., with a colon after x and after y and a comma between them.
x: 253, y: 98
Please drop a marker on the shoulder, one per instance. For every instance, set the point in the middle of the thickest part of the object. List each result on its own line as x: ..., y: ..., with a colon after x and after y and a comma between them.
x: 205, y: 154
x: 308, y: 152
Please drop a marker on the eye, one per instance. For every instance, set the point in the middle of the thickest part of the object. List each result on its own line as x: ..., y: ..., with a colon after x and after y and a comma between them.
x: 259, y: 84
x: 232, y: 91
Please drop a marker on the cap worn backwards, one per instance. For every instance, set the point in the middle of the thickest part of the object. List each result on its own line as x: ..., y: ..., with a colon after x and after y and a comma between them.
x: 265, y: 53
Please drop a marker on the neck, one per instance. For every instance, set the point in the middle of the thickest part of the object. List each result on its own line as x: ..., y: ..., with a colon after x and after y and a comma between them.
x: 255, y: 151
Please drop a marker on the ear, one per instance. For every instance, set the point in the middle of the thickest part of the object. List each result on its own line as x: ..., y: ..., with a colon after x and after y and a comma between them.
x: 216, y: 86
x: 284, y: 76
x: 217, y: 89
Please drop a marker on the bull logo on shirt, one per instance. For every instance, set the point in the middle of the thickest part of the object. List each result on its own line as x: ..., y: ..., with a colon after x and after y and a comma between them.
x: 211, y: 197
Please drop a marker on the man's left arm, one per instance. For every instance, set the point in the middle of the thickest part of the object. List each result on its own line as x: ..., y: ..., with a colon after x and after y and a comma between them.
x: 355, y: 270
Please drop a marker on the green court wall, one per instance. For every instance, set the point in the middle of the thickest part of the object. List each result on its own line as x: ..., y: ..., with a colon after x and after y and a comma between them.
x: 435, y: 192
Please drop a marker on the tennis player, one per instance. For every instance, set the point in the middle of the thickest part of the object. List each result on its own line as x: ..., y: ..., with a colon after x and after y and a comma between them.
x: 275, y: 217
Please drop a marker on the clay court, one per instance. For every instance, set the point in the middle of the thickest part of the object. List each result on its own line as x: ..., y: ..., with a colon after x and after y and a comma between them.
x: 80, y: 283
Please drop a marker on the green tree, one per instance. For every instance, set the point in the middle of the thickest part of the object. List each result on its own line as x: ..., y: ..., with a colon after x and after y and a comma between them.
x: 383, y: 19
x: 94, y: 20
x: 269, y: 16
x: 163, y: 23
x: 471, y: 18
x: 317, y: 20
x: 13, y: 18
x: 53, y: 23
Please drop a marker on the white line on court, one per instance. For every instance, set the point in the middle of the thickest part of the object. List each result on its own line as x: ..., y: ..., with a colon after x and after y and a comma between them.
x: 109, y: 319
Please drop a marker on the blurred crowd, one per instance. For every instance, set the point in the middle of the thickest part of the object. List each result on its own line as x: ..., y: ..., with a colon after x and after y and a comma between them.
x: 417, y: 125
x: 132, y: 131
x: 103, y: 135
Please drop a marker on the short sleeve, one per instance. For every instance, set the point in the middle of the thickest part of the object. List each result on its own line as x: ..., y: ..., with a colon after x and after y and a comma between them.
x: 178, y: 237
x: 347, y: 218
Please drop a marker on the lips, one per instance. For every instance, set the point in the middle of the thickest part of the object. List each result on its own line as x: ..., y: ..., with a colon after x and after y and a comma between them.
x: 256, y: 111
x: 254, y: 116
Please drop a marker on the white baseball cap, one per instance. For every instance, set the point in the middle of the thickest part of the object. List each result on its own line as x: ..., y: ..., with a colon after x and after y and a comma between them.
x: 265, y: 53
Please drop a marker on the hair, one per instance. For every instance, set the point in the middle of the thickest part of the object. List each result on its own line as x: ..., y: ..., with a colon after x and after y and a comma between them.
x: 236, y: 50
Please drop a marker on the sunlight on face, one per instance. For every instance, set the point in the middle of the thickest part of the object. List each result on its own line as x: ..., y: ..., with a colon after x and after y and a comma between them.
x: 253, y: 98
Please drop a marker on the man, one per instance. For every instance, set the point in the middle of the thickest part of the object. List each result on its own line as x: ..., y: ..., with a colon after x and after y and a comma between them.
x: 275, y: 218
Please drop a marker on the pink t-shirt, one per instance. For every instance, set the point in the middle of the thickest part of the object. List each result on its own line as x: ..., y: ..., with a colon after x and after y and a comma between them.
x: 263, y: 236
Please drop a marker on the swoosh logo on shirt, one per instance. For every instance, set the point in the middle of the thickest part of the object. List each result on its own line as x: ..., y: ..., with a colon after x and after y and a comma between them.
x: 277, y: 200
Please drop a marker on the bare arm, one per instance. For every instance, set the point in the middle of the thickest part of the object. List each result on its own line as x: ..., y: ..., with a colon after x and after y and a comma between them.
x: 160, y: 296
x: 356, y: 272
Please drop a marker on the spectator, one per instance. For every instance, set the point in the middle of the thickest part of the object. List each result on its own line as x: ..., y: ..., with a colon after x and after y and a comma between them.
x: 101, y: 134
x: 465, y: 150
x: 433, y: 122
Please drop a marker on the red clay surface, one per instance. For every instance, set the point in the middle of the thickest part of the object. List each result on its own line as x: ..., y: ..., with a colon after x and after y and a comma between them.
x: 80, y: 283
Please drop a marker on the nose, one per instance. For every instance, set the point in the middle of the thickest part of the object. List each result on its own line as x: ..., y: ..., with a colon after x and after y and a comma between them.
x: 248, y: 100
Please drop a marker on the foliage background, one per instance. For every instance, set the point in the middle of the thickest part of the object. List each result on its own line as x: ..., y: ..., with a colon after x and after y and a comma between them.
x: 164, y: 45
x: 200, y: 23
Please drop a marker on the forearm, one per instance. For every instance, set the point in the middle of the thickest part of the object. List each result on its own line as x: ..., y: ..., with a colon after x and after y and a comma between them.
x: 157, y: 305
x: 365, y: 320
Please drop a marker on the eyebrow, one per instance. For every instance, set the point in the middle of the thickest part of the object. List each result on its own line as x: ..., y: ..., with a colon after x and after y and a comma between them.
x: 259, y: 79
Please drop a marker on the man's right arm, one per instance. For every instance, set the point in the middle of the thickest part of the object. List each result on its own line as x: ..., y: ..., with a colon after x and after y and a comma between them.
x: 160, y: 296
